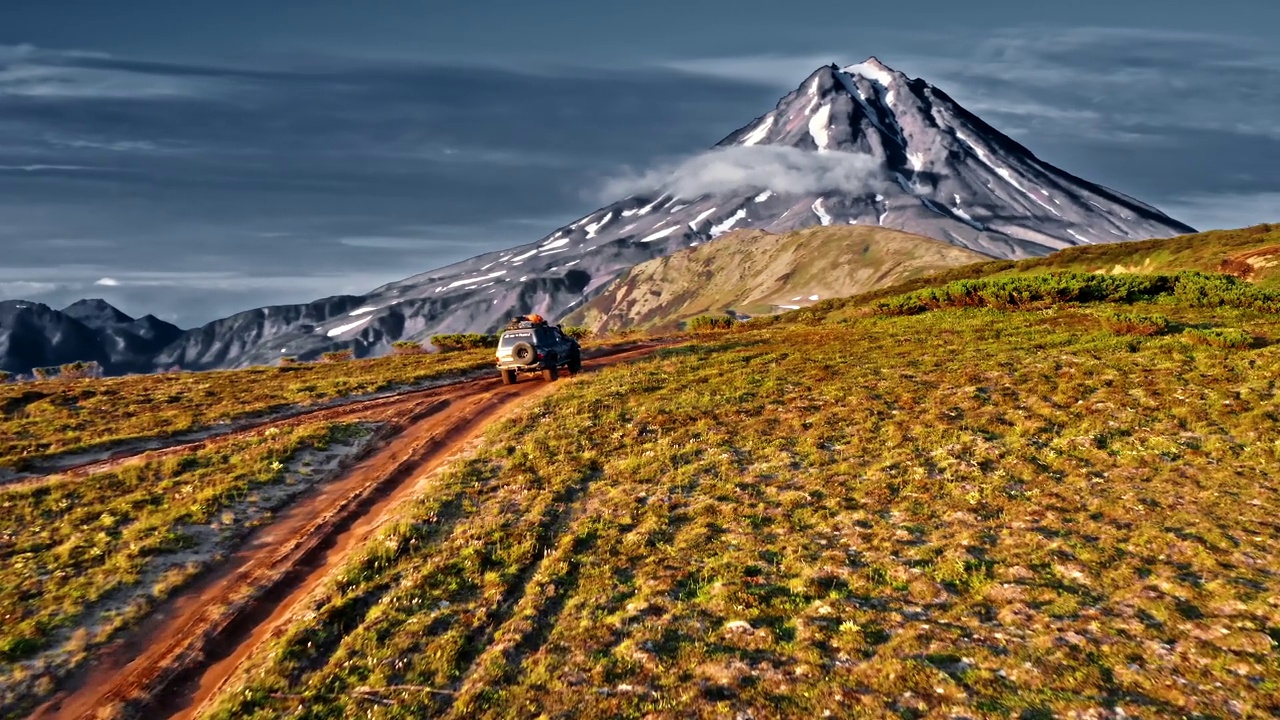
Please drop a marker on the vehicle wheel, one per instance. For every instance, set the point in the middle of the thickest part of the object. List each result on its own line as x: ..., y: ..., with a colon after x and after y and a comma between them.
x: 549, y: 374
x: 575, y: 364
x: 509, y: 377
x: 523, y: 353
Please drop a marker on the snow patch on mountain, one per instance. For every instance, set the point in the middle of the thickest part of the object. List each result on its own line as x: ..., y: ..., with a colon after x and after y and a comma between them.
x: 1079, y: 237
x: 594, y: 228
x: 698, y: 220
x: 722, y: 228
x: 659, y: 235
x: 349, y: 326
x: 819, y: 130
x: 873, y: 70
x: 760, y: 133
x: 474, y: 280
x: 960, y: 213
x: 821, y: 212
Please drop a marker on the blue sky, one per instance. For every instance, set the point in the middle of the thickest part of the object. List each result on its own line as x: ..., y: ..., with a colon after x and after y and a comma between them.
x: 195, y: 159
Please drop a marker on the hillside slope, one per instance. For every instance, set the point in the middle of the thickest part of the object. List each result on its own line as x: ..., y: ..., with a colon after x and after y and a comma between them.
x: 756, y: 272
x: 1251, y: 254
x: 962, y: 513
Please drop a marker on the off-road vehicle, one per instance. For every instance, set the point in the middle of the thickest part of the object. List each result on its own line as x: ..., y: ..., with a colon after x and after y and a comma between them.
x: 529, y: 344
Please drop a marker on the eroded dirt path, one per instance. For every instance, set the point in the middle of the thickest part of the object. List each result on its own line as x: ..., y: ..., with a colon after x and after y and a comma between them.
x: 182, y: 653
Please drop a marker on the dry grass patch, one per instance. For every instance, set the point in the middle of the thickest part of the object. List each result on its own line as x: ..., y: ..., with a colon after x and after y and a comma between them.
x: 1232, y: 338
x: 1134, y: 323
x: 41, y: 419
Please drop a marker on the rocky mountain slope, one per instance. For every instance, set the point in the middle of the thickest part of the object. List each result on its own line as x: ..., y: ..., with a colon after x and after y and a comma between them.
x: 755, y: 272
x: 861, y: 145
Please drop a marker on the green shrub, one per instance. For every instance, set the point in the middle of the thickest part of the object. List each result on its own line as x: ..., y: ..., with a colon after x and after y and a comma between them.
x: 578, y: 332
x: 5, y: 376
x: 1194, y: 289
x: 760, y: 321
x: 1231, y: 338
x: 338, y: 355
x: 1131, y: 324
x: 407, y: 347
x: 1210, y: 290
x: 710, y: 323
x: 17, y: 648
x: 464, y: 341
x: 288, y: 360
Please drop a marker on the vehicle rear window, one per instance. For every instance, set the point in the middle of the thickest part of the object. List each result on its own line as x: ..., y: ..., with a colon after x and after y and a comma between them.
x: 512, y: 338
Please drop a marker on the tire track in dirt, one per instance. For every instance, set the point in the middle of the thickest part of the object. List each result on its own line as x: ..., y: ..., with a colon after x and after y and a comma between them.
x: 193, y: 642
x: 373, y: 409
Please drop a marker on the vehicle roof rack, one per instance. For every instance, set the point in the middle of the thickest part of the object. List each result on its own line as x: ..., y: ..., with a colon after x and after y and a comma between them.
x: 523, y: 322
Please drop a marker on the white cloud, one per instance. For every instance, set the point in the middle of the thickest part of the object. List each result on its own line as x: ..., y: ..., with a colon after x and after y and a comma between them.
x: 1073, y: 81
x: 384, y: 242
x: 1217, y: 212
x: 108, y: 282
x: 47, y: 168
x: 1084, y: 80
x: 785, y: 71
x: 74, y: 243
x: 111, y: 145
x: 68, y: 81
x: 485, y: 156
x: 30, y: 71
x: 25, y: 288
x: 785, y: 170
x: 26, y: 51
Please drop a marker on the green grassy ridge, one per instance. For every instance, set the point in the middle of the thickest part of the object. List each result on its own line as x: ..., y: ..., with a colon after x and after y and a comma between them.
x: 967, y: 512
x: 1205, y: 252
x: 1190, y: 288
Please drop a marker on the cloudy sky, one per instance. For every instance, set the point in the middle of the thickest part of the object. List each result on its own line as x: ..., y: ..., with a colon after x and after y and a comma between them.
x: 198, y: 158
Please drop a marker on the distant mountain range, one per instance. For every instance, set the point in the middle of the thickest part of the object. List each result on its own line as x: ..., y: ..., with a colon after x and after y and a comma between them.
x: 34, y: 335
x: 860, y: 145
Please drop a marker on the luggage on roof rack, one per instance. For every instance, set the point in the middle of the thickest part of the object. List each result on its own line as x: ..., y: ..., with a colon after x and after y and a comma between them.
x: 524, y: 322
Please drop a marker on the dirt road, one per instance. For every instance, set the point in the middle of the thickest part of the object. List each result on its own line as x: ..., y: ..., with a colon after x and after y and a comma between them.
x: 181, y: 653
x: 391, y: 408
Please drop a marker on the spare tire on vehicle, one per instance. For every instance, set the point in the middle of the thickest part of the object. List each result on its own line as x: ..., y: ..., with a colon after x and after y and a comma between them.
x: 522, y: 352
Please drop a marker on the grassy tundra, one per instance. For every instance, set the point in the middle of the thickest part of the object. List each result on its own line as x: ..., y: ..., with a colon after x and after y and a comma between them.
x: 954, y: 512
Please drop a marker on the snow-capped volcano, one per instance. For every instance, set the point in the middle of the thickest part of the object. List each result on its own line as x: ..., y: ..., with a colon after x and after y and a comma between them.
x: 863, y: 144
x: 951, y: 176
